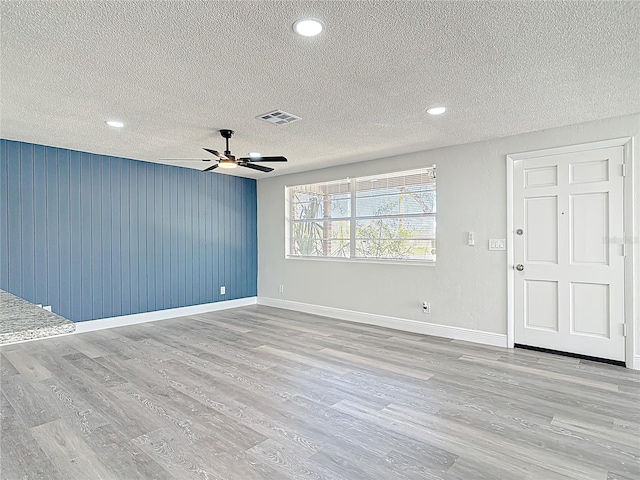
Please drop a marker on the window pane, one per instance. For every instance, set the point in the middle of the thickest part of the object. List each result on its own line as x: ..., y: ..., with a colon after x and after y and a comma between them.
x: 338, y: 248
x: 396, y: 249
x: 306, y: 239
x: 395, y: 203
x: 323, y: 238
x: 397, y: 228
x: 305, y: 205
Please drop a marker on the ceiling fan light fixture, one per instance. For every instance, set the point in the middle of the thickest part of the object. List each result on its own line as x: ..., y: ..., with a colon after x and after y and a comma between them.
x: 308, y: 27
x: 227, y: 164
x: 436, y: 110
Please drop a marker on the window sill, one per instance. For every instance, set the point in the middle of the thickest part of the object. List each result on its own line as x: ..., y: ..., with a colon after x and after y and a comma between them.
x: 421, y: 263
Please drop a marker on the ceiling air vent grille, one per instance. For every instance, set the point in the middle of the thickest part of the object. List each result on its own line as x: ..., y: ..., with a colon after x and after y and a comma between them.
x: 278, y: 117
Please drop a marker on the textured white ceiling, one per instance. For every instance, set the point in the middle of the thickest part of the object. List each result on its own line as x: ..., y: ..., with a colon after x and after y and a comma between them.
x: 176, y: 72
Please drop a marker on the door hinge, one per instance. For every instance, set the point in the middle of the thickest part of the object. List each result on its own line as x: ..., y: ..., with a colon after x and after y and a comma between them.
x: 624, y: 249
x: 624, y: 329
x: 624, y: 169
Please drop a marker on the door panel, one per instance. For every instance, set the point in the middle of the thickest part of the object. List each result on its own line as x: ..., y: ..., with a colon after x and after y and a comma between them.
x: 541, y: 177
x: 570, y: 294
x: 589, y: 228
x: 541, y: 221
x: 590, y: 309
x: 589, y: 172
x: 541, y: 304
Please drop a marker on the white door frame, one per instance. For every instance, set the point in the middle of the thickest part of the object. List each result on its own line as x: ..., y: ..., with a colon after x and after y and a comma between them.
x: 631, y: 303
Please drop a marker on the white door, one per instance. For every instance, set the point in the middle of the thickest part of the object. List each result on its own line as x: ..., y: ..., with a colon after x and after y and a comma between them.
x: 569, y: 278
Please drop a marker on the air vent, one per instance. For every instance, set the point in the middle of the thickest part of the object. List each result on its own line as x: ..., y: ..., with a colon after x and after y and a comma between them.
x: 278, y: 117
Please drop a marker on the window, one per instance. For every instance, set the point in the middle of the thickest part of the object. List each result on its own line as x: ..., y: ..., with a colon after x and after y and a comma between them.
x: 385, y: 217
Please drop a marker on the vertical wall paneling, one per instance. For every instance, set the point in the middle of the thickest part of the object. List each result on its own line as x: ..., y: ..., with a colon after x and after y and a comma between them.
x: 200, y: 238
x: 51, y: 270
x: 13, y: 233
x: 75, y: 223
x: 227, y: 234
x: 64, y: 234
x: 180, y: 274
x: 237, y: 227
x: 124, y: 178
x: 149, y: 243
x: 4, y: 220
x: 86, y: 199
x: 95, y: 247
x: 114, y: 202
x: 96, y: 236
x: 224, y: 258
x: 141, y: 205
x: 105, y: 228
x: 218, y: 239
x: 253, y: 227
x: 27, y: 220
x: 189, y: 205
x: 243, y: 233
x: 238, y: 248
x: 188, y: 239
x: 173, y: 214
x: 165, y: 287
x: 211, y: 257
x: 40, y: 171
x: 134, y: 246
x: 155, y: 263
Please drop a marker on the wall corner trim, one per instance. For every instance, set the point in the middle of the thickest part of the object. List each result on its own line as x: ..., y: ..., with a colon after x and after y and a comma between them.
x: 122, y: 321
x: 406, y: 325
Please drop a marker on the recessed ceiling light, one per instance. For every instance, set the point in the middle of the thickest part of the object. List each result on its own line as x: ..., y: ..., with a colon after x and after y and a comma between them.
x: 254, y: 155
x: 308, y: 27
x: 436, y: 110
x: 115, y: 123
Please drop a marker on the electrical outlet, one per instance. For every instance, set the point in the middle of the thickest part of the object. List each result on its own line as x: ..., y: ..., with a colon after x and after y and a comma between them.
x: 280, y: 288
x: 223, y: 290
x: 426, y: 307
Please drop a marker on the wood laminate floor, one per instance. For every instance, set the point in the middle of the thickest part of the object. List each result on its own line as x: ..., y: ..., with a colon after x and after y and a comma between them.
x: 263, y: 393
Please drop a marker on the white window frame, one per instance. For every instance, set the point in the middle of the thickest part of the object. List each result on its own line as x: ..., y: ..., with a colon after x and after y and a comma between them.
x: 353, y: 218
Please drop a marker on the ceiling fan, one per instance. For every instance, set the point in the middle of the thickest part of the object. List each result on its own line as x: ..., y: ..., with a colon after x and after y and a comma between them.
x: 227, y: 160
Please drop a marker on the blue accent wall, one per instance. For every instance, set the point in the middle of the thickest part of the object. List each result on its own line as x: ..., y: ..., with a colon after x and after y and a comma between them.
x: 96, y: 236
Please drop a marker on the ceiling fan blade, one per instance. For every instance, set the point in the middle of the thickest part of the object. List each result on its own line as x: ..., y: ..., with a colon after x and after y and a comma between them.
x: 256, y: 167
x: 212, y: 167
x: 264, y: 159
x: 185, y: 159
x: 215, y: 152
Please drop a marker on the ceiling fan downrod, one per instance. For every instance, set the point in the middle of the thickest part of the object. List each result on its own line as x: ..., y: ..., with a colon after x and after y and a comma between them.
x: 226, y: 134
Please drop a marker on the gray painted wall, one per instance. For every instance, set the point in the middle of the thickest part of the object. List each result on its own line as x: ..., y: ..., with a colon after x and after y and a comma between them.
x: 467, y: 286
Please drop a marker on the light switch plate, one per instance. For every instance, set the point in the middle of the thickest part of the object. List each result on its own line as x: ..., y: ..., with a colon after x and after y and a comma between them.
x: 497, y: 244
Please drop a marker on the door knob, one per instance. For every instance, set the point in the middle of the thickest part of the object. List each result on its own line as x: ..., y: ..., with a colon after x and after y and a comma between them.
x: 520, y: 267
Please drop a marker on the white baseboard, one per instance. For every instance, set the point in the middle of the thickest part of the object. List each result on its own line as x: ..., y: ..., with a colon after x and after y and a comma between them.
x: 413, y: 326
x: 112, y: 322
x: 636, y: 362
